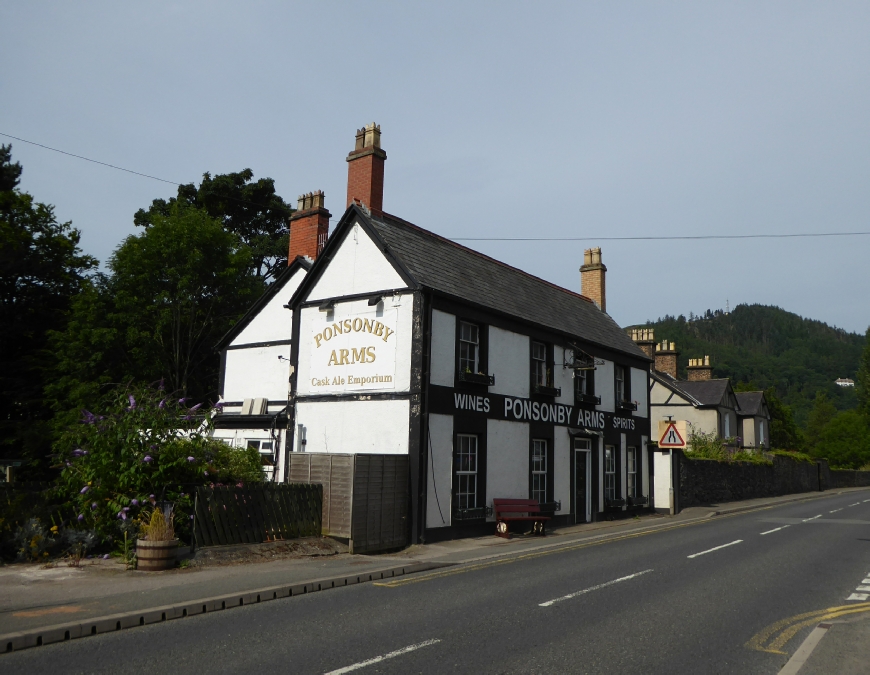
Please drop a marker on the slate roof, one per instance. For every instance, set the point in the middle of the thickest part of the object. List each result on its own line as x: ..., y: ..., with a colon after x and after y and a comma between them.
x: 442, y: 265
x: 750, y: 403
x: 700, y: 393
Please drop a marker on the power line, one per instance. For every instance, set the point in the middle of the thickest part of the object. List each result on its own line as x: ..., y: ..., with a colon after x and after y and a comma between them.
x: 702, y: 236
x: 647, y: 238
x: 88, y: 159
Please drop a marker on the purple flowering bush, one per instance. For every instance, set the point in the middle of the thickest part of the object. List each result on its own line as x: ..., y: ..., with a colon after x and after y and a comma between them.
x: 144, y: 442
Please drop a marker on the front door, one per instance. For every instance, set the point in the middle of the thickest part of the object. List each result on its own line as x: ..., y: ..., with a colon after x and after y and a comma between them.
x: 582, y: 454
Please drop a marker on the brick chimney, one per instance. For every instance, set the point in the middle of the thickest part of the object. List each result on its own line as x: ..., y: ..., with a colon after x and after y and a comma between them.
x: 700, y: 369
x: 666, y: 358
x: 645, y: 339
x: 309, y: 227
x: 592, y: 277
x: 365, y: 169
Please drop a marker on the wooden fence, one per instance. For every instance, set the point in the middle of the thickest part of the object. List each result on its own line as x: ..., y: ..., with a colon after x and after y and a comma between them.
x: 257, y: 513
x: 365, y: 497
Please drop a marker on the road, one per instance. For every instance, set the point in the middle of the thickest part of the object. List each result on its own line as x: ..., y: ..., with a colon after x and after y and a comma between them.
x: 694, y: 598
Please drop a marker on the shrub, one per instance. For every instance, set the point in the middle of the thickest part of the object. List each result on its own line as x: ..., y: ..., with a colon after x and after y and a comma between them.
x: 148, y: 446
x: 703, y: 445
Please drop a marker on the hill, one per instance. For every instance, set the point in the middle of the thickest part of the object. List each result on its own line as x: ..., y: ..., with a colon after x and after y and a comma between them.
x: 768, y: 346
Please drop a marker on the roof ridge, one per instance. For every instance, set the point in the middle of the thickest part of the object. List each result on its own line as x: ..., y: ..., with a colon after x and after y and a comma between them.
x: 438, y: 237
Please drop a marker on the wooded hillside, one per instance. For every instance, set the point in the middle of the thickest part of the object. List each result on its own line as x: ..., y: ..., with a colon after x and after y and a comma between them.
x: 768, y: 346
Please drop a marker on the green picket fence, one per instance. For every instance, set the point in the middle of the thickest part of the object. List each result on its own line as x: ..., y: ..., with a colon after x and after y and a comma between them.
x: 257, y: 513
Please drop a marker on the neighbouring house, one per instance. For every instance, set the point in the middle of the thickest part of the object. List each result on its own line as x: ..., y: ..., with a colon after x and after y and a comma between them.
x: 494, y: 383
x: 704, y: 403
x: 844, y: 382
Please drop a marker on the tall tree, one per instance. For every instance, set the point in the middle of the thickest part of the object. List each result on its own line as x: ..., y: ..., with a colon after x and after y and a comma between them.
x: 251, y: 210
x: 42, y: 268
x: 845, y: 441
x: 172, y: 292
x: 784, y: 433
x: 821, y: 414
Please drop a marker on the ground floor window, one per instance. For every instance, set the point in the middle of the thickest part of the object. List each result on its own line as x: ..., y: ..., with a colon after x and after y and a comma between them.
x: 631, y: 471
x: 609, y: 472
x: 264, y: 447
x: 466, y: 471
x: 539, y: 470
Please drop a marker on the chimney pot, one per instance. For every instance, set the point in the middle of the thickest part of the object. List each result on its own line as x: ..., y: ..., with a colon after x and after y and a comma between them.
x: 592, y: 278
x: 365, y: 169
x: 666, y: 359
x: 309, y: 227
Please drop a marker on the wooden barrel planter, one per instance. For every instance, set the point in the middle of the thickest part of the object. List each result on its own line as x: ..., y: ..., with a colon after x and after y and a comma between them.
x: 154, y: 556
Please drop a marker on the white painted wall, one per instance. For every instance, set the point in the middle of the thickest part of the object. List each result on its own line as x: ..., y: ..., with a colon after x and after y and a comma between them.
x: 354, y: 426
x: 439, y: 492
x: 358, y: 266
x: 662, y: 480
x: 256, y: 372
x: 443, y: 364
x: 748, y: 426
x: 639, y: 391
x: 509, y: 362
x: 273, y: 321
x: 562, y: 468
x: 395, y: 356
x: 507, y: 460
x: 604, y: 386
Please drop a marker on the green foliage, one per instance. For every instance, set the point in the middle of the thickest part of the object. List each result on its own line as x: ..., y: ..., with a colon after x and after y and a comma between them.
x: 784, y: 432
x: 796, y: 456
x: 41, y: 269
x: 146, y: 445
x: 173, y: 292
x: 845, y: 441
x: 821, y: 414
x: 769, y: 347
x: 703, y: 445
x: 862, y: 379
x: 250, y: 210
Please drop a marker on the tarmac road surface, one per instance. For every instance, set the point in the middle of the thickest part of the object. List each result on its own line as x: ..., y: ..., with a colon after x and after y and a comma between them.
x: 733, y: 594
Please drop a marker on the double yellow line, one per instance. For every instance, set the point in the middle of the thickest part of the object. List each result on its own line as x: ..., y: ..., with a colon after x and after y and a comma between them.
x: 773, y: 638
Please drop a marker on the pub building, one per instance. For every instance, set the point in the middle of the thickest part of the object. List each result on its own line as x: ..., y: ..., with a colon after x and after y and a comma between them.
x: 495, y: 383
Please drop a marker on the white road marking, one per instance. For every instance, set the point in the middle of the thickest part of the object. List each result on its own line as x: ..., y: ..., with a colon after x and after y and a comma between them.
x: 776, y: 529
x: 695, y: 555
x: 799, y: 658
x: 592, y: 588
x: 861, y: 597
x: 863, y: 588
x: 855, y: 504
x: 835, y: 510
x: 813, y: 518
x: 866, y: 581
x: 378, y: 659
x: 866, y: 500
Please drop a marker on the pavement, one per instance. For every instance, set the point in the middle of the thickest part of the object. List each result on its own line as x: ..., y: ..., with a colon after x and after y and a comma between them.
x: 41, y: 606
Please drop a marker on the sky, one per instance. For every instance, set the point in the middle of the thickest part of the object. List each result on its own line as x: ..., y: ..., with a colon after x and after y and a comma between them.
x: 499, y: 119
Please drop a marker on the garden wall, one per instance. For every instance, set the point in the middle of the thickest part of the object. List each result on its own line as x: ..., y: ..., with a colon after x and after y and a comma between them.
x: 707, y: 481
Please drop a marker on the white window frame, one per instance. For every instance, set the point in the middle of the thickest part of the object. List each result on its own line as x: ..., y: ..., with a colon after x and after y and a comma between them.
x: 631, y: 471
x: 539, y: 470
x: 466, y: 478
x: 761, y: 433
x: 619, y: 384
x: 539, y: 359
x: 469, y: 341
x: 609, y: 472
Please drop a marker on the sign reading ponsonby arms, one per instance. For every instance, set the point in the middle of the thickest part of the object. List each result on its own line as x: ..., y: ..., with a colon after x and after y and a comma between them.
x: 513, y: 409
x: 354, y: 353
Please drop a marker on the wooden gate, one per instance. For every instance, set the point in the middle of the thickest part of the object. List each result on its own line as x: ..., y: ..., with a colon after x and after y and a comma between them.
x: 365, y: 497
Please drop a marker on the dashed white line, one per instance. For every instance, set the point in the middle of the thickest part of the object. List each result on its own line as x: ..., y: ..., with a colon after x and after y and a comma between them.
x: 695, y: 555
x: 592, y: 588
x: 860, y: 597
x: 776, y: 529
x: 835, y: 510
x: 855, y: 504
x: 806, y: 520
x: 378, y: 659
x: 866, y: 500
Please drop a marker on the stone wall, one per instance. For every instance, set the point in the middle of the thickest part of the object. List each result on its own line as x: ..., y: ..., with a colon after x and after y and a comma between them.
x: 706, y: 481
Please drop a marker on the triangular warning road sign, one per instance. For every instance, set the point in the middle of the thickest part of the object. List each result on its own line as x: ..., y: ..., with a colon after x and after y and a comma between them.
x: 671, y: 438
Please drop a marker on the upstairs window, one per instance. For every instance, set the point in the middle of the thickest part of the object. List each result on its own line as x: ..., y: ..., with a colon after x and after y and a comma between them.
x: 540, y: 370
x: 469, y: 347
x: 620, y: 383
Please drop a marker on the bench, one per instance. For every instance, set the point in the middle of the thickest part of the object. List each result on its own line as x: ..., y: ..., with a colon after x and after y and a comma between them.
x: 509, y: 510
